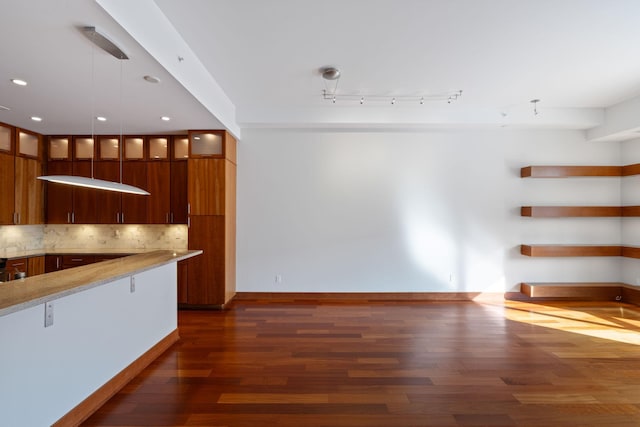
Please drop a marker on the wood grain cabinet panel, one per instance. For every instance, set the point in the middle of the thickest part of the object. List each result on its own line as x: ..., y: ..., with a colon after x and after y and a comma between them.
x: 159, y: 185
x: 206, y: 186
x: 59, y: 197
x: 7, y: 195
x: 29, y: 191
x: 84, y: 199
x: 134, y: 206
x: 52, y: 263
x: 206, y: 273
x: 35, y: 266
x: 179, y: 197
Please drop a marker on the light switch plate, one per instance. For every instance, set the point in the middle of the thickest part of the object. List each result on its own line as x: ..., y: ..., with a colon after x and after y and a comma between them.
x: 132, y: 287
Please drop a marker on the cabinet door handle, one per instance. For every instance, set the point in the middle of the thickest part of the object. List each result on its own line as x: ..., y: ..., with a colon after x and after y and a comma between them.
x: 189, y: 207
x: 68, y: 217
x: 57, y: 262
x: 122, y: 217
x: 117, y: 217
x: 188, y: 222
x: 166, y: 218
x: 73, y: 217
x: 76, y: 259
x: 17, y: 264
x: 171, y: 217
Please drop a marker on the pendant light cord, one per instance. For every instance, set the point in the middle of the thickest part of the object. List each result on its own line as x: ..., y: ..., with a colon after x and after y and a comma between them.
x: 93, y: 104
x: 121, y: 121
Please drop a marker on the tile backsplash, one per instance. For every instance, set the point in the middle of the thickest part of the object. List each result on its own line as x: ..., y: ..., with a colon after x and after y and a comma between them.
x: 15, y: 238
x: 76, y: 236
x: 85, y: 236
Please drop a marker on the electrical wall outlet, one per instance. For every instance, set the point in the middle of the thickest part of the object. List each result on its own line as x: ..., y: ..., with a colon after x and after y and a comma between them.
x: 278, y: 278
x: 48, y: 314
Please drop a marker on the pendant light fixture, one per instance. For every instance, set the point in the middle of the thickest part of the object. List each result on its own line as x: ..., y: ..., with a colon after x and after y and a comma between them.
x: 80, y: 181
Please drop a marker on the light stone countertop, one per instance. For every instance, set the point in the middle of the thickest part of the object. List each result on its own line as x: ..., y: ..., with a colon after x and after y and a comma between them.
x: 20, y: 294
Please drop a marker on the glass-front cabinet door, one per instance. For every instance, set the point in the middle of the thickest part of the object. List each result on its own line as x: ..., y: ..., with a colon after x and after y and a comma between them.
x: 59, y: 148
x: 6, y: 139
x: 206, y: 144
x: 158, y: 148
x: 134, y: 148
x: 83, y: 148
x: 28, y: 144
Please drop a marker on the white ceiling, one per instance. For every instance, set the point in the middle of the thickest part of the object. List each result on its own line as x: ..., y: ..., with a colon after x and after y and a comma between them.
x: 256, y: 63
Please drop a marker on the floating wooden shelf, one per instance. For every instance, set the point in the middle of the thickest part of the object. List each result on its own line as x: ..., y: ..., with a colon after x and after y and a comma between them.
x: 571, y: 211
x: 568, y: 171
x: 572, y: 171
x: 570, y: 250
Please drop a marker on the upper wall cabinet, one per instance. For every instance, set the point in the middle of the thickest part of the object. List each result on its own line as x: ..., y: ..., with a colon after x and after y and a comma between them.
x: 203, y: 144
x: 29, y: 144
x: 83, y: 148
x: 59, y: 148
x: 108, y: 148
x: 158, y: 148
x: 135, y: 148
x: 6, y: 139
x: 180, y: 148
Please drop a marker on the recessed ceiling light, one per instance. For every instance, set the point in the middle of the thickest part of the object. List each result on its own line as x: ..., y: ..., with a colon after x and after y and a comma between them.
x: 101, y: 119
x: 165, y: 118
x: 151, y: 79
x: 36, y: 118
x: 19, y: 82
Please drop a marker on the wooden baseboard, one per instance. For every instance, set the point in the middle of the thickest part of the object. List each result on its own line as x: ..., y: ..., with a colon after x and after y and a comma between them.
x: 365, y: 296
x: 88, y: 406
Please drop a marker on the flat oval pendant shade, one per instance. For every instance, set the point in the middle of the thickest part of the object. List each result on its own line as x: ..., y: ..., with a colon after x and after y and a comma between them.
x: 98, y: 184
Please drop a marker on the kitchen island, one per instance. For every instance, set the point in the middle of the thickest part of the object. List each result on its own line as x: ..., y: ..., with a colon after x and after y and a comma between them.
x: 72, y: 338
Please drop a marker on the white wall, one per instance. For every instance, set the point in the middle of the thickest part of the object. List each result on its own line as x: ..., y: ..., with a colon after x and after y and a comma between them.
x: 631, y: 226
x: 414, y: 211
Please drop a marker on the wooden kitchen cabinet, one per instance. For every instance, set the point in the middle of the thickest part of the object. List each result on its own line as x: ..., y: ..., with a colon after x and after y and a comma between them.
x: 179, y: 196
x: 159, y: 201
x: 70, y: 261
x: 134, y: 206
x: 119, y: 208
x: 206, y: 273
x: 7, y: 195
x: 35, y: 266
x: 206, y: 186
x: 211, y: 277
x: 15, y: 265
x: 29, y: 191
x: 52, y: 263
x: 7, y: 139
x: 59, y: 197
x: 84, y: 199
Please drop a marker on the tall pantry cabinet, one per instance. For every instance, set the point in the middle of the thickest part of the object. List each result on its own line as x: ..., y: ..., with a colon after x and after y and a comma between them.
x: 211, y: 184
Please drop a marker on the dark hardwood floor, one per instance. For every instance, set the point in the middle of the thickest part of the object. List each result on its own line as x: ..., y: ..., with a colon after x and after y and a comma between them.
x: 319, y: 363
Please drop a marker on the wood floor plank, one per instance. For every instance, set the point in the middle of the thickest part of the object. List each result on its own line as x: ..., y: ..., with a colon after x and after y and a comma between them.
x: 322, y: 363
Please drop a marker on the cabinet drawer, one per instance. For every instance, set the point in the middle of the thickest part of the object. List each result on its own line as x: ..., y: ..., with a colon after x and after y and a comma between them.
x: 70, y: 261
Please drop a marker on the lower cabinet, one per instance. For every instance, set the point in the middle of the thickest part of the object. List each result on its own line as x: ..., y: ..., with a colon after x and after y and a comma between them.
x: 210, y: 279
x: 14, y: 266
x: 35, y: 266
